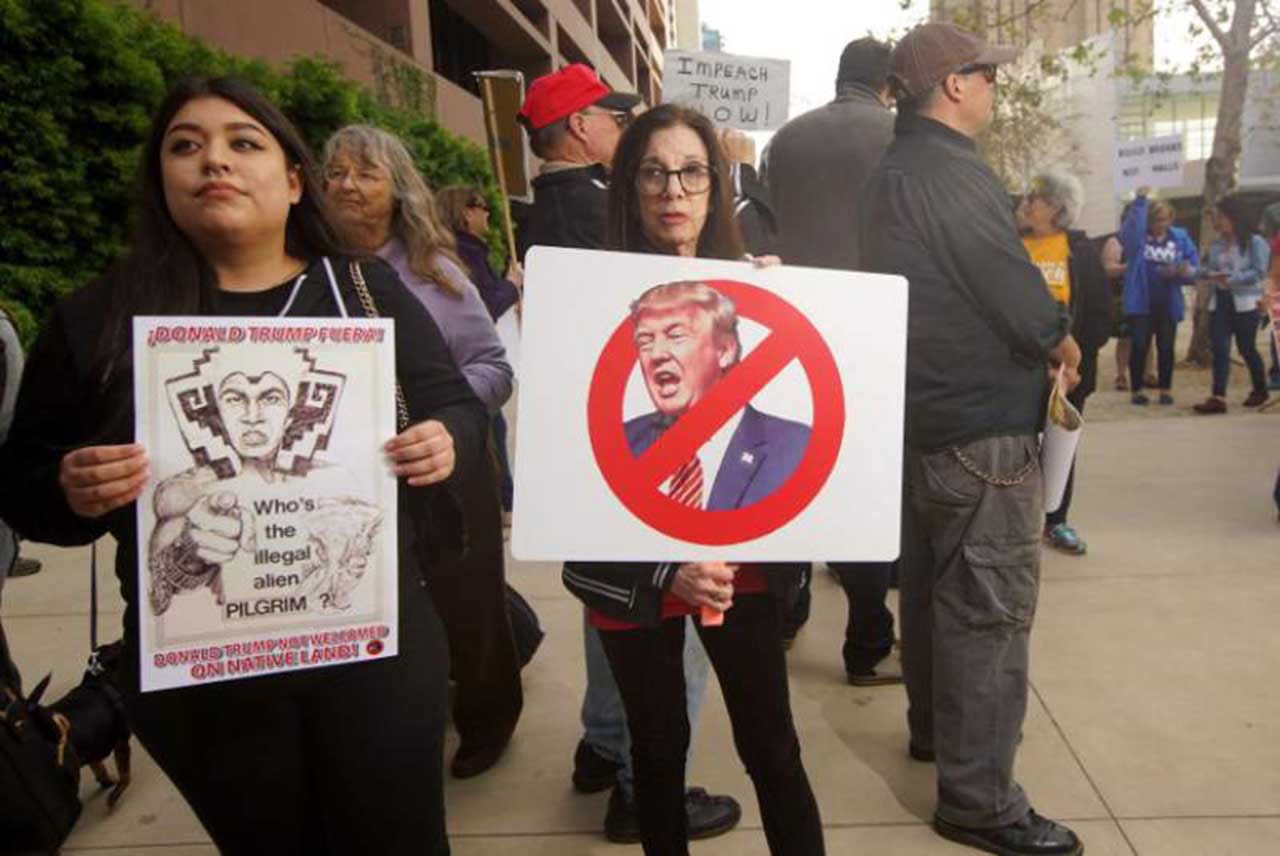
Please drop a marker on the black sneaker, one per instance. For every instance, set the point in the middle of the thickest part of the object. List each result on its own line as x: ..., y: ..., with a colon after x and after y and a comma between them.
x: 24, y: 567
x: 709, y: 816
x: 1032, y: 836
x: 592, y: 772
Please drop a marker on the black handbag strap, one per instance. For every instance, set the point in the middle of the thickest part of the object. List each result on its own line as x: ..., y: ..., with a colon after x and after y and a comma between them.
x: 95, y: 663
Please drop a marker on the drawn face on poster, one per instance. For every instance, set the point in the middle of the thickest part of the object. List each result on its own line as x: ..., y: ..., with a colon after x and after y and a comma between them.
x: 687, y: 339
x: 259, y: 518
x: 272, y: 419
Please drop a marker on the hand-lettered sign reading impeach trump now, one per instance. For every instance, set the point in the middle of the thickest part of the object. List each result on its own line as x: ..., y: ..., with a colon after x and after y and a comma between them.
x: 733, y: 91
x: 689, y: 409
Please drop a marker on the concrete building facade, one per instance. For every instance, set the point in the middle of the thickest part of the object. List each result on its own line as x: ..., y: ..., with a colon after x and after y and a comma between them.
x: 447, y: 40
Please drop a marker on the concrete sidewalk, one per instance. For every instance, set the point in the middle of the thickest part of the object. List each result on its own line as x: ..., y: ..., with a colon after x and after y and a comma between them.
x: 1154, y: 727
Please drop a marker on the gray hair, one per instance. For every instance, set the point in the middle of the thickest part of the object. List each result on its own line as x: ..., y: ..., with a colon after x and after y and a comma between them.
x: 1062, y: 191
x: 416, y: 220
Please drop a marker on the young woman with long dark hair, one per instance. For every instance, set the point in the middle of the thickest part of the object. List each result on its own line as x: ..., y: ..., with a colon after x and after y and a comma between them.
x: 337, y: 760
x: 1237, y: 268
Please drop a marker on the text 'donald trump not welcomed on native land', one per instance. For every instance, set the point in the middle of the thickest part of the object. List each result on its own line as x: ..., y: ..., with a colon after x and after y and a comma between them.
x: 267, y: 533
x: 684, y: 409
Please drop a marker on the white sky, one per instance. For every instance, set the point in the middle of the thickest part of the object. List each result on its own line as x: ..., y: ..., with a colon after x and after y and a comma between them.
x: 812, y: 33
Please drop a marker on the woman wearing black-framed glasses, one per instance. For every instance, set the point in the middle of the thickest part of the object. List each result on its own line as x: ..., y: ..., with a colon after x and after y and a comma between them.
x: 671, y: 195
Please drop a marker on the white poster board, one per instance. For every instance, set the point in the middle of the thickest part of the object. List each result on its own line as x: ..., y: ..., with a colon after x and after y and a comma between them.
x: 810, y: 471
x: 750, y: 93
x: 267, y: 533
x: 1154, y: 162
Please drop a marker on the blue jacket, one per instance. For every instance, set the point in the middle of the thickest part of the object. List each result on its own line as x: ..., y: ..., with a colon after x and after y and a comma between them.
x: 1138, y: 273
x: 1246, y: 272
x: 761, y: 456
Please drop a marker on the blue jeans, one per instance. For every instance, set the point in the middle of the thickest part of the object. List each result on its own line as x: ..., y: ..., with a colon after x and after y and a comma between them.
x: 1243, y: 326
x: 604, y: 720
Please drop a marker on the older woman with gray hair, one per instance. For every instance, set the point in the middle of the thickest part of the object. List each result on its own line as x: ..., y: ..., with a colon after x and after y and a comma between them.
x: 380, y: 204
x: 1074, y: 276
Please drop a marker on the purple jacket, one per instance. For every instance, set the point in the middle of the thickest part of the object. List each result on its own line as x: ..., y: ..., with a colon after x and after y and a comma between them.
x: 498, y: 294
x: 468, y: 330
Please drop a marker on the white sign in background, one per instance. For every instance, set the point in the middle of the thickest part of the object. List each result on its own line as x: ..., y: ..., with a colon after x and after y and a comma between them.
x: 269, y: 454
x: 575, y: 299
x: 750, y: 93
x: 1153, y: 162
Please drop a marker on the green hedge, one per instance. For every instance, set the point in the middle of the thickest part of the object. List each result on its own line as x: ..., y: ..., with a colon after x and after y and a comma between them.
x: 79, y: 80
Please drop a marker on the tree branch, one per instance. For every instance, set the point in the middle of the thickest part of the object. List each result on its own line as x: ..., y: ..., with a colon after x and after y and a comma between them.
x: 1272, y: 27
x: 1222, y: 38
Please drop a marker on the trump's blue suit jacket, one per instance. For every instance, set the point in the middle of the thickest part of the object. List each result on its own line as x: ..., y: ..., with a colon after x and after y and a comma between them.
x: 762, y: 454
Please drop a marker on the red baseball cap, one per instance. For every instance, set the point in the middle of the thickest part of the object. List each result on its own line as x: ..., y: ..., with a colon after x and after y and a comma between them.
x: 567, y: 91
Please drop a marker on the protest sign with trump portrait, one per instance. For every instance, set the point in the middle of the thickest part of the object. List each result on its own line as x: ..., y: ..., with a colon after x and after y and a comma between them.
x: 678, y: 409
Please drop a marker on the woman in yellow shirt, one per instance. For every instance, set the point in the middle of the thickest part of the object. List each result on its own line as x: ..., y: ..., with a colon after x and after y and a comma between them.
x: 1074, y: 275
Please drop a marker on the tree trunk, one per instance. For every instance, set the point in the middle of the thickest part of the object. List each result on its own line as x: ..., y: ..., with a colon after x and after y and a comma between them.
x: 1220, y: 169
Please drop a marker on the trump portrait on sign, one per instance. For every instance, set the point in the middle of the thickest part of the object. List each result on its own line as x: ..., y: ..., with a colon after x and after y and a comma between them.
x: 686, y: 338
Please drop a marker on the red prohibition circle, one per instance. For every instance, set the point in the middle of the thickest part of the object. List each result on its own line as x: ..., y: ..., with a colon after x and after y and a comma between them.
x: 792, y: 337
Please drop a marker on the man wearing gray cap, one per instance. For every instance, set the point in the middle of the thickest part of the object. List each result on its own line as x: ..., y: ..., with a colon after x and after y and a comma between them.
x: 982, y: 334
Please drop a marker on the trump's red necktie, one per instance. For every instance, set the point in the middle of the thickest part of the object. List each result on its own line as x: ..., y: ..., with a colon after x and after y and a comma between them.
x: 686, y: 484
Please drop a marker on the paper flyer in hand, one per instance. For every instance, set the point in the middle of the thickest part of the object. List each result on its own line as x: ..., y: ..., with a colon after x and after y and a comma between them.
x: 267, y: 532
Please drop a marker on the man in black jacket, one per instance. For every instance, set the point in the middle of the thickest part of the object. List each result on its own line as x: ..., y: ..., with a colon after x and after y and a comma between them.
x: 820, y: 160
x: 982, y: 333
x: 574, y: 123
x: 818, y: 166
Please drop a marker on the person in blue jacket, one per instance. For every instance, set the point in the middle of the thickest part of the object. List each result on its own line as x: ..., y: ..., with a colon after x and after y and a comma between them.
x: 1162, y: 258
x: 1237, y: 269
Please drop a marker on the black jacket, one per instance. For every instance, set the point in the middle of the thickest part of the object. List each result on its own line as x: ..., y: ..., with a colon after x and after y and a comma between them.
x: 817, y: 168
x: 62, y: 406
x: 499, y: 294
x: 753, y: 212
x: 981, y: 323
x: 570, y: 209
x: 1091, y: 307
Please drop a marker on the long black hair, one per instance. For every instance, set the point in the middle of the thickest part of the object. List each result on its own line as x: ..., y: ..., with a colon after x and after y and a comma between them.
x: 719, y: 238
x: 163, y: 273
x: 1242, y: 226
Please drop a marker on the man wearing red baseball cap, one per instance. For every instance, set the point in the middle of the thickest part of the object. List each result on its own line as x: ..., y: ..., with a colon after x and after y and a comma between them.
x: 982, y: 332
x: 574, y: 122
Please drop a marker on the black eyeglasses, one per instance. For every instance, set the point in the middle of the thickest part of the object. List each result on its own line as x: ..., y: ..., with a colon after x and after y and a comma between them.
x: 985, y: 69
x: 478, y: 204
x: 694, y: 179
x: 620, y: 118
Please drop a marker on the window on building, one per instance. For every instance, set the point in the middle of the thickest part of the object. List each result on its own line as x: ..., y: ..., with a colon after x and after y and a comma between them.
x: 457, y: 47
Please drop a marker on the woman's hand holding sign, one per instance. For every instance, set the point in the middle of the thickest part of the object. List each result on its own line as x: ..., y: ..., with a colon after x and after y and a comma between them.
x: 100, y: 479
x: 423, y: 453
x: 708, y: 585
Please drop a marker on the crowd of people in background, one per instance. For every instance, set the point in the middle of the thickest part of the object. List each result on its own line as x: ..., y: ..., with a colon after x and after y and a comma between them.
x: 1004, y: 300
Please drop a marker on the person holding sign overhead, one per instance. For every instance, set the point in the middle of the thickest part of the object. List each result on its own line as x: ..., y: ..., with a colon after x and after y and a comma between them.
x: 344, y: 759
x: 672, y: 195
